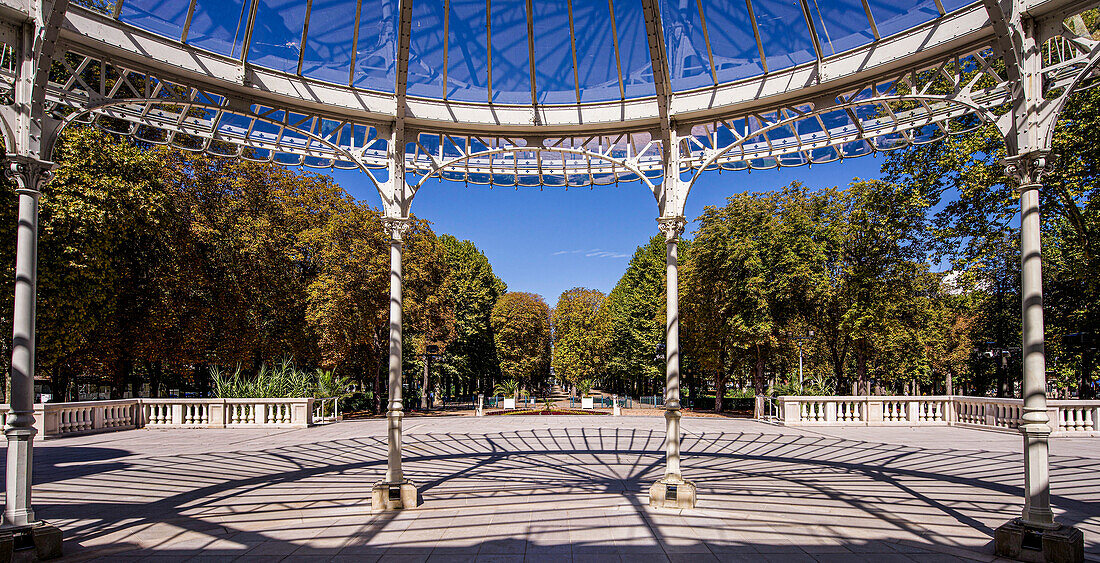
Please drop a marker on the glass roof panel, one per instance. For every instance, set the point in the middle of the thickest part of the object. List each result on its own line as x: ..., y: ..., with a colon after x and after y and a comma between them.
x: 952, y: 5
x: 637, y: 69
x: 452, y: 55
x: 784, y: 33
x: 218, y: 26
x: 511, y: 60
x: 426, y: 50
x: 893, y: 18
x: 468, y: 58
x: 732, y: 43
x: 685, y: 45
x: 553, y: 53
x: 597, y: 73
x: 277, y: 34
x: 841, y: 25
x: 376, y: 53
x: 163, y: 17
x: 327, y: 54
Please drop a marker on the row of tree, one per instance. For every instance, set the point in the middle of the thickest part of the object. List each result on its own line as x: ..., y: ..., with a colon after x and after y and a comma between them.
x: 158, y: 264
x: 908, y: 283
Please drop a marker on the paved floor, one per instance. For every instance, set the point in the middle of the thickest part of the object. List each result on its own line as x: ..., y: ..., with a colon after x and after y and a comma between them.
x: 551, y: 488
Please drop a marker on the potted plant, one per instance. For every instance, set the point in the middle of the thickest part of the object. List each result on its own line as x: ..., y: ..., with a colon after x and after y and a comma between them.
x: 583, y: 388
x: 511, y: 391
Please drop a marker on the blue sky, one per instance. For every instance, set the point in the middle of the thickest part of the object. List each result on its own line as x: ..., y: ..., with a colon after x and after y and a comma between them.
x: 549, y: 241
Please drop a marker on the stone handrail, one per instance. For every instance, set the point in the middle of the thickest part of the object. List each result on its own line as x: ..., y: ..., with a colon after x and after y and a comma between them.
x: 1068, y: 418
x: 90, y: 417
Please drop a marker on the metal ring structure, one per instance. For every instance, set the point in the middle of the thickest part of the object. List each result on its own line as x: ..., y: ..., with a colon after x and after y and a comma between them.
x: 107, y: 68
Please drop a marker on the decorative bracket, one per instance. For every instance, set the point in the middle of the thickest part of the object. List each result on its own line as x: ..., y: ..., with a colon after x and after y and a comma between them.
x: 29, y: 174
x: 396, y: 227
x: 1028, y: 169
x: 672, y: 226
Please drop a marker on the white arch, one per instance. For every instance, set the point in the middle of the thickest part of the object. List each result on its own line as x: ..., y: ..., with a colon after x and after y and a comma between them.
x: 95, y: 109
x: 624, y: 163
x: 977, y: 110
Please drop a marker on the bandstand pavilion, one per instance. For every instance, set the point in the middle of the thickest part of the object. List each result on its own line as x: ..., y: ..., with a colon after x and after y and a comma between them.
x: 544, y: 94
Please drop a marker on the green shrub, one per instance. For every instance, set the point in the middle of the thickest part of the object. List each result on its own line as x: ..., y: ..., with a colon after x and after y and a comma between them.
x: 509, y: 388
x: 284, y: 380
x: 356, y: 402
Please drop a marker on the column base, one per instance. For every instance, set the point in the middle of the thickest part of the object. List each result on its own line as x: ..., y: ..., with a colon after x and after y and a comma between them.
x: 393, y: 496
x: 672, y: 493
x: 1016, y: 540
x: 44, y: 538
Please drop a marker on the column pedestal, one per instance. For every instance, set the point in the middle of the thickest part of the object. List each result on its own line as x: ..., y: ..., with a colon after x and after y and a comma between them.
x: 1017, y: 540
x: 671, y: 492
x: 394, y: 496
x: 45, y: 539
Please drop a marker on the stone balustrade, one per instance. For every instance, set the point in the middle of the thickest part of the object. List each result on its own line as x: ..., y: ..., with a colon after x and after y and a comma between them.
x: 54, y: 420
x: 1068, y: 418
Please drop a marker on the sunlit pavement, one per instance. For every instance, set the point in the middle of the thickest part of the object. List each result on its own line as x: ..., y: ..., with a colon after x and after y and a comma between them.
x: 553, y: 489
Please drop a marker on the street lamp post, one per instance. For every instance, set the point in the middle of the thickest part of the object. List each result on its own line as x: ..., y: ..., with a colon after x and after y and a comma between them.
x: 993, y: 351
x: 1085, y: 344
x: 431, y: 351
x: 801, y: 340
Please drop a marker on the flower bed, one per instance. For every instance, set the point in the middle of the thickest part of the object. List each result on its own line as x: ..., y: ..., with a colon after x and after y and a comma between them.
x: 543, y: 412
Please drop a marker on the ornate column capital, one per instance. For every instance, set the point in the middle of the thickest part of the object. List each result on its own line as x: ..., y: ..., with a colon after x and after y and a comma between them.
x: 397, y: 226
x: 1028, y: 168
x: 672, y: 226
x: 29, y: 174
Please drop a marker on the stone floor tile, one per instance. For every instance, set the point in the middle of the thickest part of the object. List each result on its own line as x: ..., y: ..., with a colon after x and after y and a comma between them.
x: 786, y: 558
x: 596, y: 558
x: 503, y: 546
x: 437, y: 557
x: 558, y: 489
x: 730, y: 548
x: 847, y: 557
x: 546, y: 558
x: 403, y: 558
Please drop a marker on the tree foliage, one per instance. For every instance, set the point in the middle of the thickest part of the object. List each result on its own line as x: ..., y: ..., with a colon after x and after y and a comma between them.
x: 521, y: 330
x: 581, y: 329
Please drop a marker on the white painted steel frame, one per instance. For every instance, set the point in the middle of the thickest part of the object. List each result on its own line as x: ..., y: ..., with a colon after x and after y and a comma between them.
x: 1011, y: 63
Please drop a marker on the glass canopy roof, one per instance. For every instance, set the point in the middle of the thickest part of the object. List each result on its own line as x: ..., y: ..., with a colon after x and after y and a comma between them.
x: 528, y: 51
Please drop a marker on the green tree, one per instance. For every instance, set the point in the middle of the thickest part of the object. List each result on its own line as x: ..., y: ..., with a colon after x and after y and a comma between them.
x: 521, y: 330
x: 636, y: 311
x: 474, y: 289
x: 962, y: 176
x: 580, y: 328
x: 105, y: 238
x: 348, y: 300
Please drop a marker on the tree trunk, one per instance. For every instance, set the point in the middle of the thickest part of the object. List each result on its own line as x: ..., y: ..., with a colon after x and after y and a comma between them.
x: 156, y: 377
x: 758, y: 373
x: 720, y: 381
x: 1002, y: 379
x: 720, y: 378
x: 1085, y: 389
x: 123, y: 372
x: 691, y: 386
x: 55, y: 383
x: 863, y: 386
x: 376, y: 403
x: 135, y: 382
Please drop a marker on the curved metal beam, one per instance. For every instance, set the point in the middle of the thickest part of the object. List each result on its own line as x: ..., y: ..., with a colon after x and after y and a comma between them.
x: 714, y: 155
x: 102, y: 109
x: 98, y: 35
x: 624, y: 163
